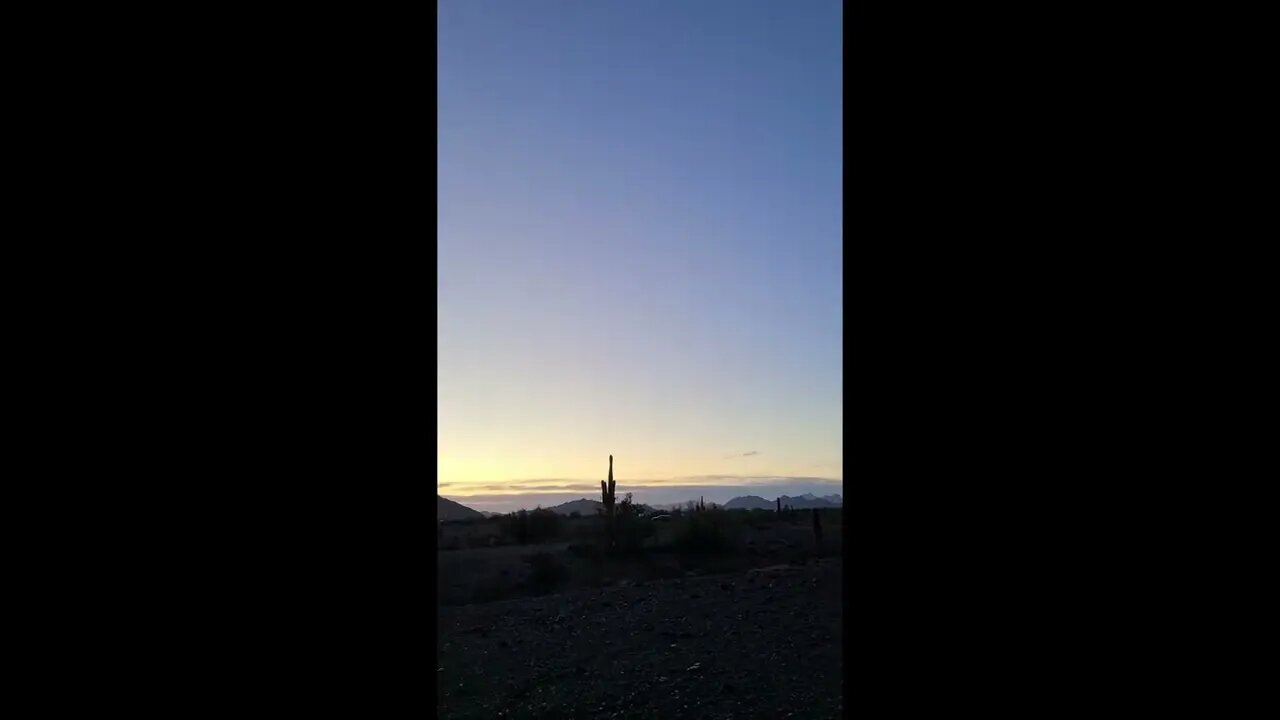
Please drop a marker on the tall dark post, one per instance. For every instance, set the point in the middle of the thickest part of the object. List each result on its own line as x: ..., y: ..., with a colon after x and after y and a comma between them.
x: 607, y: 497
x: 779, y: 506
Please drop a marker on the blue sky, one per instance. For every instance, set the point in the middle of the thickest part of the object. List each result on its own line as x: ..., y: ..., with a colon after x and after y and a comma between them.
x: 639, y: 228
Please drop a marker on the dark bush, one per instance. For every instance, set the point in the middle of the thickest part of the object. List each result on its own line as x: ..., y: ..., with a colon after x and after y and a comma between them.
x: 703, y: 533
x: 759, y: 519
x: 484, y: 541
x: 526, y: 527
x: 627, y: 508
x: 545, y: 572
x: 630, y: 532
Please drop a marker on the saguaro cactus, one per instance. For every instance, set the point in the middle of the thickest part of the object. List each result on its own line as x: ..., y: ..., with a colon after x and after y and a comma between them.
x: 607, y: 497
x: 779, y: 506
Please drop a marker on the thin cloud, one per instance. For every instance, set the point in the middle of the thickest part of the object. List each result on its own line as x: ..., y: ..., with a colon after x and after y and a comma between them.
x: 512, y: 487
x: 757, y: 480
x: 578, y: 487
x: 749, y: 453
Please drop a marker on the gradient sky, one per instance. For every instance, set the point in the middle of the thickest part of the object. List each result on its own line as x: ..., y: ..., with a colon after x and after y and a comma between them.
x: 639, y: 243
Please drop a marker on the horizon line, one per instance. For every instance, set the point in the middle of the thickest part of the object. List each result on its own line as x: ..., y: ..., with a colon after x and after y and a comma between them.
x: 560, y: 486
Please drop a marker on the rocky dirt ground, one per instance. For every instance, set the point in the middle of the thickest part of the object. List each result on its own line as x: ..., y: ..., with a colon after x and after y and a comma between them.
x: 761, y: 643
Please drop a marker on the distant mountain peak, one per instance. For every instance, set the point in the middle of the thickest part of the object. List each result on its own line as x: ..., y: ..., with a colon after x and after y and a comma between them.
x: 748, y: 502
x: 447, y: 509
x: 808, y: 500
x: 583, y: 506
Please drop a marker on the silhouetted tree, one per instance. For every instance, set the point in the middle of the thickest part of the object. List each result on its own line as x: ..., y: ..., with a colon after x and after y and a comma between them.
x: 532, y: 527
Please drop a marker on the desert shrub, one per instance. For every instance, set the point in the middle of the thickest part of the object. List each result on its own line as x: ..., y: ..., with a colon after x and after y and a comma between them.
x: 544, y: 525
x: 545, y: 572
x: 592, y: 538
x: 586, y: 529
x: 630, y: 532
x: 627, y: 508
x: 703, y: 533
x: 484, y: 541
x: 526, y: 527
x: 464, y: 522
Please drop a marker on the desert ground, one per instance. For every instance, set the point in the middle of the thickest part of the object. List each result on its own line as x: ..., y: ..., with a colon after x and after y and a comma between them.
x: 562, y: 629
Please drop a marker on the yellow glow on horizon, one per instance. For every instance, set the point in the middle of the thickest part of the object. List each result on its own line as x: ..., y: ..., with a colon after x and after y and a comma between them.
x: 486, y: 476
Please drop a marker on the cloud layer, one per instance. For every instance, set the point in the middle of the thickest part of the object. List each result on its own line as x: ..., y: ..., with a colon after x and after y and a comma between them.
x: 572, y: 485
x: 517, y: 494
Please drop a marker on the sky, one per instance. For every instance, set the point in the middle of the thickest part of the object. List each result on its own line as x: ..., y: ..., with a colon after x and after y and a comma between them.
x: 640, y: 247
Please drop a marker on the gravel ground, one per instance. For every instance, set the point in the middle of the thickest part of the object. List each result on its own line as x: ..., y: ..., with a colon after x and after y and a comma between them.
x: 765, y: 643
